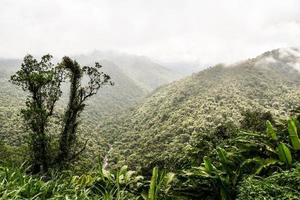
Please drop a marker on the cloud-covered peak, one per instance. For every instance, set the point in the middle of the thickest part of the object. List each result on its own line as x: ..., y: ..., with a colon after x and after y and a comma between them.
x: 284, y: 57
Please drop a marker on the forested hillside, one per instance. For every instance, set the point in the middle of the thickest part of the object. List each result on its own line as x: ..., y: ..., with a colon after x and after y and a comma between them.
x: 126, y: 92
x: 170, y: 121
x: 133, y: 76
x: 227, y: 132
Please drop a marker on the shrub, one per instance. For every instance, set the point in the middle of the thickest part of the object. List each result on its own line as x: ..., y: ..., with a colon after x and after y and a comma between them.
x: 283, y: 185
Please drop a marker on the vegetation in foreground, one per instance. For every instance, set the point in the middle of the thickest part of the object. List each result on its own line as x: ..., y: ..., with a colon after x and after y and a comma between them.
x: 248, y: 164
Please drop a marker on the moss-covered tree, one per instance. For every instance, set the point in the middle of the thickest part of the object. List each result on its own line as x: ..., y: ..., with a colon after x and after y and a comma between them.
x: 77, y: 102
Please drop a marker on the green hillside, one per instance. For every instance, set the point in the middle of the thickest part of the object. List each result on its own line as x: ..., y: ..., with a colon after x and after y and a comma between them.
x: 164, y: 126
x: 133, y: 77
x: 108, y: 102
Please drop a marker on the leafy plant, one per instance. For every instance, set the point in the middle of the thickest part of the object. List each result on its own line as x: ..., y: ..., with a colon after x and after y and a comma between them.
x: 15, y: 184
x: 280, y: 185
x: 292, y: 129
x: 122, y: 184
x: 246, y: 154
x: 160, y: 185
x: 284, y: 154
x: 223, y: 178
x: 270, y: 130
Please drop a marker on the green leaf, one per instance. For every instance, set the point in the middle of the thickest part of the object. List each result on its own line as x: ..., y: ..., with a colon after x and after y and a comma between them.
x: 169, y: 178
x: 123, y: 169
x: 284, y: 154
x: 152, y: 195
x: 270, y: 130
x: 208, y: 165
x: 265, y: 164
x: 292, y: 128
x: 106, y: 173
x: 222, y: 155
x: 144, y: 195
x: 223, y: 194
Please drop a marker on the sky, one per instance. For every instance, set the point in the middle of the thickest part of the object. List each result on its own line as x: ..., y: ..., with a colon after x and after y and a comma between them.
x: 170, y: 31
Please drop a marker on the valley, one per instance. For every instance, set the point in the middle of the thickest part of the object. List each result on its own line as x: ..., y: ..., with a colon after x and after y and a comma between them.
x: 171, y: 122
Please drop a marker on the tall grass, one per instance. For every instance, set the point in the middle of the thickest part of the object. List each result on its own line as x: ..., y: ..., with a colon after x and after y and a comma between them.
x: 98, y: 184
x: 15, y: 184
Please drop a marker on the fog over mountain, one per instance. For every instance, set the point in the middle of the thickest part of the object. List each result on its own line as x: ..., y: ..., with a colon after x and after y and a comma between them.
x: 143, y: 71
x: 169, y: 31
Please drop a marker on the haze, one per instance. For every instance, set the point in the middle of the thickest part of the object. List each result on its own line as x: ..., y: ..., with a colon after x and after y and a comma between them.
x: 168, y: 31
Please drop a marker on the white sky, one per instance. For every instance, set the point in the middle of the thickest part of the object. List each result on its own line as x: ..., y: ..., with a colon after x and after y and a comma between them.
x: 207, y: 31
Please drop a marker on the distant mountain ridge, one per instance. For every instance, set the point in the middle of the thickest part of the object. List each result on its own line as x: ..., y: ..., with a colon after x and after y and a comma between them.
x: 281, y: 58
x: 146, y: 73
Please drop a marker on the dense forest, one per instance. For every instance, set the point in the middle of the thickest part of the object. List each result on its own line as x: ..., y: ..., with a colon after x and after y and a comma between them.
x: 114, y: 131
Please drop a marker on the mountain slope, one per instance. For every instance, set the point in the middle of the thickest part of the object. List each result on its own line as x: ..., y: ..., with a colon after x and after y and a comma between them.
x: 133, y: 78
x: 144, y: 72
x: 112, y: 99
x: 161, y: 128
x: 108, y: 102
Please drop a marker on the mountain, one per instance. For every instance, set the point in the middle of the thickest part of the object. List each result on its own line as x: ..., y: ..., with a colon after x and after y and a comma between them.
x: 163, y: 126
x: 132, y: 81
x: 147, y: 74
x: 133, y: 77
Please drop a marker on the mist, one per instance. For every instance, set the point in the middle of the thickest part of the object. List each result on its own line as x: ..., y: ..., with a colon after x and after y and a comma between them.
x: 169, y: 31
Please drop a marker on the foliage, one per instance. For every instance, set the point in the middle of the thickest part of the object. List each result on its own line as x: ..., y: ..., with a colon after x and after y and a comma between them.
x: 280, y: 185
x: 171, y: 120
x: 203, y: 144
x: 42, y: 81
x: 245, y: 154
x: 98, y: 184
x: 119, y: 185
x: 221, y: 180
x: 293, y: 133
x: 160, y: 185
x: 255, y: 120
x: 15, y: 184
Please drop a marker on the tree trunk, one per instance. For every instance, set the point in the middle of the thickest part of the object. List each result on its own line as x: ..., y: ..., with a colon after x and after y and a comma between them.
x: 70, y: 119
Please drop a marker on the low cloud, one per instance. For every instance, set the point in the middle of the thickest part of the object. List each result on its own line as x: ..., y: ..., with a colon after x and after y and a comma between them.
x: 206, y: 31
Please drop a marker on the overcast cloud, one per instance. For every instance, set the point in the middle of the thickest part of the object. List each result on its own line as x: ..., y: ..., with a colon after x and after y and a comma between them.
x: 206, y: 31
